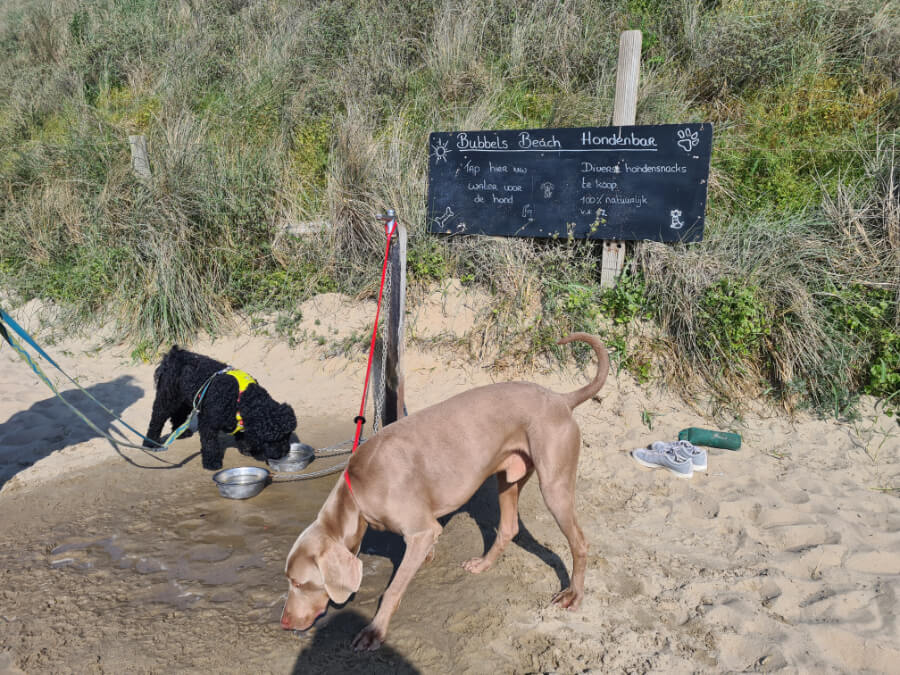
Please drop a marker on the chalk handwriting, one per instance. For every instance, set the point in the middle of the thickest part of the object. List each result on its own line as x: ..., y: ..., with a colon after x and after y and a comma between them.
x: 650, y: 168
x: 618, y: 140
x: 590, y: 167
x: 482, y: 142
x: 597, y: 184
x: 527, y: 141
x: 636, y: 200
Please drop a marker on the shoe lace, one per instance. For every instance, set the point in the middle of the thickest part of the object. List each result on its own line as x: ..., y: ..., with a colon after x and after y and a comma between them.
x: 685, y: 449
x: 675, y: 456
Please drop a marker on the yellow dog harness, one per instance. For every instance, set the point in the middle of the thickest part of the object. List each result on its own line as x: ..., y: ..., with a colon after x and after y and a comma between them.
x: 244, y: 381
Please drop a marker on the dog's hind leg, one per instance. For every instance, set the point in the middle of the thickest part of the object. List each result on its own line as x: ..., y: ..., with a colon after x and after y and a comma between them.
x: 508, y: 495
x: 558, y: 489
x: 563, y: 510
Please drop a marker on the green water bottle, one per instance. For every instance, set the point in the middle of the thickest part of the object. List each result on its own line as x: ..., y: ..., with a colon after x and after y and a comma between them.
x: 713, y: 439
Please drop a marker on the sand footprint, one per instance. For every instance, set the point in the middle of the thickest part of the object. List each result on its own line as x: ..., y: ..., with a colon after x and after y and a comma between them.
x: 769, y: 592
x: 800, y: 538
x: 875, y: 562
x: 793, y: 531
x: 847, y: 605
x: 743, y: 510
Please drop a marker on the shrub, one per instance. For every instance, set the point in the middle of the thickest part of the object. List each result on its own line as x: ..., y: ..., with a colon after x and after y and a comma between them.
x: 733, y: 321
x: 869, y: 317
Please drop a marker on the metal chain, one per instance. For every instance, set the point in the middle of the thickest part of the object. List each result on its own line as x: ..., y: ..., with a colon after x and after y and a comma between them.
x: 386, y: 341
x: 378, y: 400
x: 279, y: 477
x: 339, y: 449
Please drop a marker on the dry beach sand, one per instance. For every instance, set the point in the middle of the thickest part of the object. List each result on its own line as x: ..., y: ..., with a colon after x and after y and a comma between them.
x: 785, y: 556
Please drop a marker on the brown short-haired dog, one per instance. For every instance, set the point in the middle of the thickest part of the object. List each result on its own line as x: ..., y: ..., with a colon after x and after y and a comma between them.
x: 428, y: 465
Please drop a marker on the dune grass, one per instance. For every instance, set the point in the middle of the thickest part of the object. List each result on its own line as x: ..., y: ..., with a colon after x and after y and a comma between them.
x: 261, y: 115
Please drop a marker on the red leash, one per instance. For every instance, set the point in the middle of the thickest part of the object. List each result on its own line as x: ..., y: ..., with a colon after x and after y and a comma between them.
x: 390, y: 226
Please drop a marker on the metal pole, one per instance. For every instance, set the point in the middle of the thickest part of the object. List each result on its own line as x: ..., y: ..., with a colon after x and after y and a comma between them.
x: 393, y: 395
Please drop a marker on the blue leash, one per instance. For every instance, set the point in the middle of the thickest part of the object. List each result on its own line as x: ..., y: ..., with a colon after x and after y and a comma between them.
x: 6, y: 318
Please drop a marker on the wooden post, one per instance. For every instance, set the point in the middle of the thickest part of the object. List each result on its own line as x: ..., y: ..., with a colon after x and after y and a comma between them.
x: 394, y: 402
x: 140, y: 160
x: 627, y: 76
x: 624, y: 113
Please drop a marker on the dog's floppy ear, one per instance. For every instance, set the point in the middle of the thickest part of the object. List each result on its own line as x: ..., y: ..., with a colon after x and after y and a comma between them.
x: 341, y: 571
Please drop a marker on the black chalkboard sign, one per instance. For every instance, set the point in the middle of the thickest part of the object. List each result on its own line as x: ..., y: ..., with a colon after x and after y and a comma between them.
x: 640, y: 182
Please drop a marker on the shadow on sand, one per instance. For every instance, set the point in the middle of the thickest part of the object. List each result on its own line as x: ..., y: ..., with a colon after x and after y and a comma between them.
x: 50, y: 425
x: 329, y: 650
x: 484, y: 508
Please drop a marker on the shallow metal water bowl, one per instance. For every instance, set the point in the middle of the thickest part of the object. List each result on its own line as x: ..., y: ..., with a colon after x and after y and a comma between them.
x: 297, y: 459
x: 242, y: 482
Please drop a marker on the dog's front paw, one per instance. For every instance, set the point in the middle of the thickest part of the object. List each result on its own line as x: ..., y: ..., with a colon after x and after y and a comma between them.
x: 151, y: 443
x: 568, y: 598
x: 477, y: 565
x: 212, y: 464
x: 370, y: 638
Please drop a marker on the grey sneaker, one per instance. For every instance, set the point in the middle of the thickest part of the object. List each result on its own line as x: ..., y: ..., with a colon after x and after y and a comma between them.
x: 665, y: 457
x: 685, y: 449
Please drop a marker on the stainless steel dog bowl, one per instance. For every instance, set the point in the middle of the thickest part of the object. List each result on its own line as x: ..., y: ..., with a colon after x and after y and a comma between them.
x: 298, y: 457
x: 242, y: 482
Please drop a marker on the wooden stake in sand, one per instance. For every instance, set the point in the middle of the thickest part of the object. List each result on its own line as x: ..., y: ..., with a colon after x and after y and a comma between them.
x: 140, y: 160
x: 624, y: 112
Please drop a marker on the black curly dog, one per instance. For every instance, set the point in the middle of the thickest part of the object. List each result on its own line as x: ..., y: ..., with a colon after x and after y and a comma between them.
x: 261, y: 426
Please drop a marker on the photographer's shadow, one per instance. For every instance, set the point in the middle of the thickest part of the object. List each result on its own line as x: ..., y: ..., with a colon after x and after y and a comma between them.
x: 50, y: 425
x: 329, y: 650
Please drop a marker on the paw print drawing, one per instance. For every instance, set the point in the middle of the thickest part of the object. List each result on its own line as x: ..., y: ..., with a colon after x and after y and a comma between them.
x: 687, y: 139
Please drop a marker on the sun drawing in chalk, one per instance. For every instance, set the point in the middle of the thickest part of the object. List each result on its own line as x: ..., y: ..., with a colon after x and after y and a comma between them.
x: 440, y: 150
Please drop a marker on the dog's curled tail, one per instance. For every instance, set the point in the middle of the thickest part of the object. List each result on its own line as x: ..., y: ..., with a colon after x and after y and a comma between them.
x: 579, y: 396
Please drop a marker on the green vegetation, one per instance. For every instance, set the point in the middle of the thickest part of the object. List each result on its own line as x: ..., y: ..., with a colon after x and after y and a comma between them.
x: 265, y: 116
